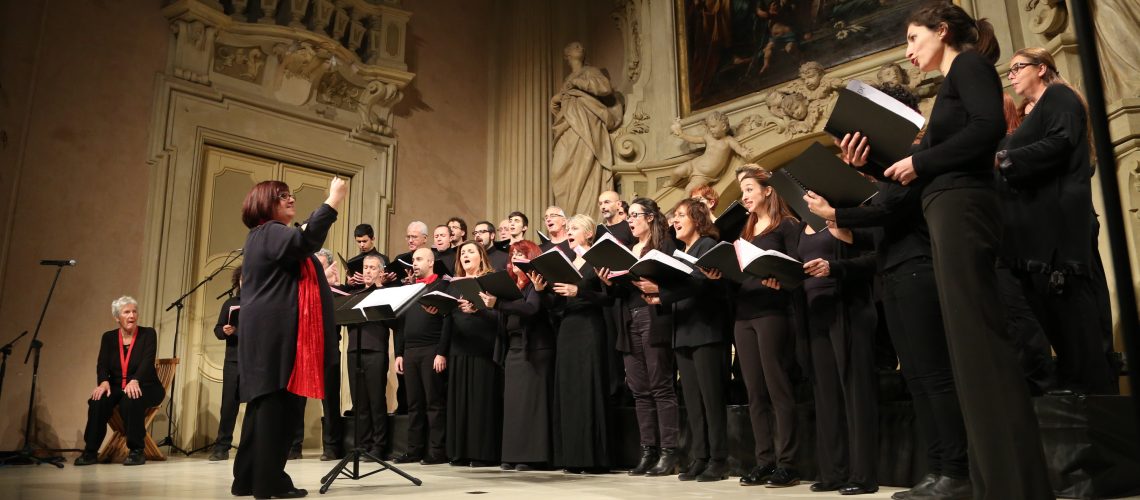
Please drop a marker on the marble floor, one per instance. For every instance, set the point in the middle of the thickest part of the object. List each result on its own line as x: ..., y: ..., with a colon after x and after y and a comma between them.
x: 197, y: 478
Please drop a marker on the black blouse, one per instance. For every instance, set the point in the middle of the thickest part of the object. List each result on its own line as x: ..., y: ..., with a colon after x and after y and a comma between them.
x: 473, y: 334
x: 753, y: 299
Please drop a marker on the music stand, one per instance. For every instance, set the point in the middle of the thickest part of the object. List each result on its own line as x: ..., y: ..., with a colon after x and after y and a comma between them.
x: 347, y: 315
x: 26, y: 455
x: 169, y: 439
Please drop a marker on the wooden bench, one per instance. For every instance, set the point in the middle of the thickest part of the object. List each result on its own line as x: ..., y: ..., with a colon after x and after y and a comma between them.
x: 116, y: 449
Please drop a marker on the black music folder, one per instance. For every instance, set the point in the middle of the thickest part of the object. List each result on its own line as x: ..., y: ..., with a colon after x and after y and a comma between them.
x: 722, y: 257
x: 608, y: 252
x: 661, y: 268
x: 731, y: 221
x: 554, y: 266
x: 439, y: 300
x: 818, y: 169
x: 770, y: 264
x: 890, y: 126
x: 498, y: 283
x: 793, y: 194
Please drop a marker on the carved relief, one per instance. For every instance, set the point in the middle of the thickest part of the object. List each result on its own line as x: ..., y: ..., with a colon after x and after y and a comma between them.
x: 246, y: 63
x: 300, y: 60
x: 910, y: 78
x: 334, y: 90
x: 626, y: 17
x: 631, y: 149
x: 720, y: 147
x: 798, y: 107
x: 1046, y: 17
x: 193, y: 38
x: 375, y: 107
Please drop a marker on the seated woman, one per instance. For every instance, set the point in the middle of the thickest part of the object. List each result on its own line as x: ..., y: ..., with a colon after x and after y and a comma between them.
x: 140, y: 385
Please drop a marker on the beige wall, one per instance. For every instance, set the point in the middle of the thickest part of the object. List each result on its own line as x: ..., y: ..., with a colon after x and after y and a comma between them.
x: 441, y: 124
x: 81, y: 190
x: 83, y: 177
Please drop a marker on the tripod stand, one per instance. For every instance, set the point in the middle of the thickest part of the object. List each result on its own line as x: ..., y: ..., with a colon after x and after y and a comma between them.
x: 353, y: 457
x: 7, y: 351
x: 179, y: 303
x: 26, y: 455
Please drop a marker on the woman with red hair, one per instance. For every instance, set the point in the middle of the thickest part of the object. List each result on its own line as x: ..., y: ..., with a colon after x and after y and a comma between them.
x: 287, y: 327
x: 528, y: 392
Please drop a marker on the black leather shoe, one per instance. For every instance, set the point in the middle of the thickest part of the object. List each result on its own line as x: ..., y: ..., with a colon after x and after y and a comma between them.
x: 507, y: 466
x: 136, y: 457
x: 434, y: 461
x: 86, y: 458
x: 857, y: 489
x: 220, y: 455
x: 667, y: 463
x: 476, y: 463
x: 293, y: 493
x: 648, y: 460
x: 406, y: 459
x: 826, y: 486
x: 695, y: 469
x: 296, y: 454
x: 459, y: 463
x: 758, y: 475
x: 783, y: 478
x: 522, y: 467
x: 946, y: 488
x: 717, y: 470
x: 920, y: 487
x: 241, y: 492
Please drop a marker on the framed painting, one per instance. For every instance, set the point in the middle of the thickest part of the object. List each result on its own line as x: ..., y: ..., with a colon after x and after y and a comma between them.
x: 731, y: 48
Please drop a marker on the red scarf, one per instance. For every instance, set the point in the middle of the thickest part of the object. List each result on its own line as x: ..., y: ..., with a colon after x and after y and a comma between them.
x: 308, y: 377
x: 125, y: 359
x: 428, y: 280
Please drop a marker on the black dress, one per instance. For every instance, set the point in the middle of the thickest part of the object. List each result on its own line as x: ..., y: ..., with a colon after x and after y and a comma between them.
x: 475, y: 387
x: 528, y: 390
x: 583, y: 414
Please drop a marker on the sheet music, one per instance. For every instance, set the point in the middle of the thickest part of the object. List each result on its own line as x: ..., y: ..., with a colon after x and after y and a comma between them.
x: 393, y: 297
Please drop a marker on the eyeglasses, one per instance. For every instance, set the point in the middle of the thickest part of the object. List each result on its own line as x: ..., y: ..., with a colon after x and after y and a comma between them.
x: 1016, y: 68
x: 286, y: 196
x: 481, y: 231
x: 554, y: 216
x: 634, y: 215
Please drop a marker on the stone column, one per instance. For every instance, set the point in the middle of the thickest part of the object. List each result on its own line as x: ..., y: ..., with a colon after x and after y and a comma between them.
x: 522, y: 83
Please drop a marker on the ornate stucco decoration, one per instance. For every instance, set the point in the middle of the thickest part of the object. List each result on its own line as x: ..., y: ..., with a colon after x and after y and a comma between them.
x: 626, y: 15
x: 1046, y: 17
x: 341, y: 60
x: 798, y: 107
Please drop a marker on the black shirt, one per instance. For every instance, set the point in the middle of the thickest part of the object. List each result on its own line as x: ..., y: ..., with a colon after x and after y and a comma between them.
x: 898, y: 209
x: 223, y: 320
x: 141, y: 365
x: 417, y: 328
x: 753, y: 299
x: 964, y: 129
x: 369, y: 336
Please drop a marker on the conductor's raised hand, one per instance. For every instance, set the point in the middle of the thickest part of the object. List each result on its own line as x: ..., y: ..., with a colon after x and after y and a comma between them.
x: 103, y: 389
x: 902, y: 171
x: 338, y: 189
x: 854, y: 149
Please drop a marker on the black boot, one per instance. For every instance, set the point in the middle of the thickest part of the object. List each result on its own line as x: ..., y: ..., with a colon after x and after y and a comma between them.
x: 666, y: 464
x: 716, y: 471
x: 648, y: 459
x: 695, y: 469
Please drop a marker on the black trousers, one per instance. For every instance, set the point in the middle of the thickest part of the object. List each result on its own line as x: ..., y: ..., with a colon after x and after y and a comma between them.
x: 427, y: 403
x: 1069, y: 317
x: 370, y: 403
x: 332, y: 426
x: 1029, y: 340
x: 650, y: 376
x: 704, y: 380
x: 133, y: 412
x: 914, y: 319
x: 259, y: 466
x: 1007, y: 460
x: 765, y: 348
x: 227, y: 417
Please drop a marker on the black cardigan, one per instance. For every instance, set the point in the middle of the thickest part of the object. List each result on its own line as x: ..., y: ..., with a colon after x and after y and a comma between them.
x: 528, y: 319
x: 660, y: 316
x: 270, y: 274
x: 141, y: 365
x: 1046, y: 196
x: 700, y: 309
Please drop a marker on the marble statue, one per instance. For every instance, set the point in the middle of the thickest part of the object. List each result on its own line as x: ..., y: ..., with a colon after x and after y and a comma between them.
x: 585, y: 111
x: 719, y: 148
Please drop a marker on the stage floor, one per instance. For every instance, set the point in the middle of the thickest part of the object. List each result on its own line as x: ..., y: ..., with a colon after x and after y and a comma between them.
x: 196, y: 478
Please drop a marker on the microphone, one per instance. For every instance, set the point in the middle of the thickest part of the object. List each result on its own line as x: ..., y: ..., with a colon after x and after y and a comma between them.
x: 58, y: 262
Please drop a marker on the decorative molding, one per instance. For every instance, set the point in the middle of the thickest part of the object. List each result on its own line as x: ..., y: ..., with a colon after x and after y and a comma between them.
x: 1047, y: 17
x: 627, y: 16
x: 245, y: 63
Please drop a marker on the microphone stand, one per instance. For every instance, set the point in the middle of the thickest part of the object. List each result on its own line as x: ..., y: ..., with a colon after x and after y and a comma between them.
x: 179, y: 303
x: 7, y: 351
x: 26, y: 455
